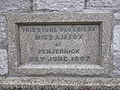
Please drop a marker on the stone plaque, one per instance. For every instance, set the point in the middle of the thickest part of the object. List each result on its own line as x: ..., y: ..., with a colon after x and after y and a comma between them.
x: 59, y: 43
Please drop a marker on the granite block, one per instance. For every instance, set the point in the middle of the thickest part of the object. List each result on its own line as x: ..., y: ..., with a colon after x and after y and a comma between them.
x: 19, y: 50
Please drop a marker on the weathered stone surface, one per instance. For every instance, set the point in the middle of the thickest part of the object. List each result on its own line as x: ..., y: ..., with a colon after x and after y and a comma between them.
x: 116, y: 61
x: 3, y: 32
x: 117, y: 15
x: 117, y: 38
x: 58, y: 5
x: 15, y: 6
x: 100, y: 4
x: 64, y: 83
x: 3, y: 46
x: 59, y: 44
x: 103, y: 65
x: 58, y: 87
x: 3, y: 62
x: 59, y: 83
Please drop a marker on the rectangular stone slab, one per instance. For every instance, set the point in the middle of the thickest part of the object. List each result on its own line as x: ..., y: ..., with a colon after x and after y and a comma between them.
x: 60, y: 43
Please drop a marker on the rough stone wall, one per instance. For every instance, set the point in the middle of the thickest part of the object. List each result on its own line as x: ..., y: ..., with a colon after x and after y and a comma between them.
x: 58, y: 5
x: 114, y: 7
x: 9, y: 6
x: 44, y: 6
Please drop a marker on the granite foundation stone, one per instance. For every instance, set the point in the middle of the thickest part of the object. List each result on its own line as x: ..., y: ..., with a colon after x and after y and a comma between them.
x: 24, y: 77
x: 97, y: 62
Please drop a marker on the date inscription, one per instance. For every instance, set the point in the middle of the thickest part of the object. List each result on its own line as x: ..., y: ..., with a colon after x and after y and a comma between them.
x: 59, y: 44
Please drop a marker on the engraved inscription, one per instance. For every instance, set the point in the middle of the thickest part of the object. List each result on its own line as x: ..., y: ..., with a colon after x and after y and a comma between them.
x: 59, y: 44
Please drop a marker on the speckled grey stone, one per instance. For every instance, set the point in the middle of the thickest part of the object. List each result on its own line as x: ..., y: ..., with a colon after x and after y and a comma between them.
x: 3, y: 46
x: 15, y: 6
x: 117, y: 15
x: 117, y: 38
x: 85, y: 42
x: 103, y: 4
x: 58, y: 5
x: 67, y: 82
x: 116, y: 45
x: 3, y: 32
x: 3, y: 62
x: 104, y: 62
x: 60, y: 83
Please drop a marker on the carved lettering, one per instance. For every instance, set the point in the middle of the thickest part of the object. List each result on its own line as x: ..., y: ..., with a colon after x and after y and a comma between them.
x: 58, y: 37
x: 59, y: 44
